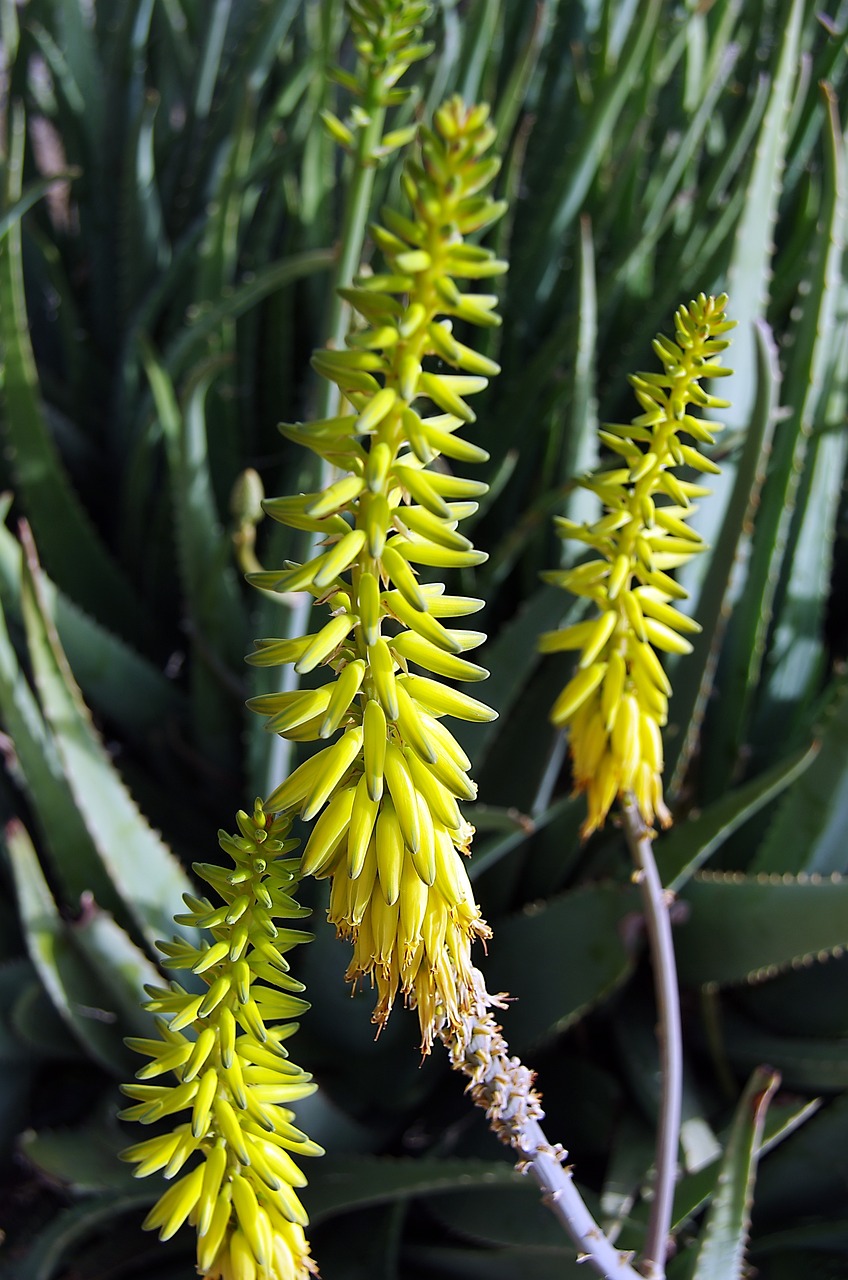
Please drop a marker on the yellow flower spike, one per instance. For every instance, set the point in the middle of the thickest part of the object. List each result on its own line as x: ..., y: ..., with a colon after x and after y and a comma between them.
x: 388, y: 829
x: 616, y: 702
x: 215, y: 1080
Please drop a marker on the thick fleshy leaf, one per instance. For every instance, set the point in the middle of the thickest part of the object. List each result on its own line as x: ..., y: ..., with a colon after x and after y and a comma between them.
x: 84, y: 1159
x: 76, y: 557
x: 807, y: 831
x: 721, y: 1254
x: 740, y: 928
x: 694, y: 840
x: 576, y: 940
x: 146, y: 876
x: 116, y: 679
x: 52, y: 1246
x: 74, y: 988
x: 721, y: 593
x: 339, y: 1185
x: 38, y: 769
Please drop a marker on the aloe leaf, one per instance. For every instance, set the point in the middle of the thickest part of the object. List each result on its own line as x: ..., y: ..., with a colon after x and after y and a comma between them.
x: 570, y: 184
x: 15, y: 976
x: 807, y: 832
x: 73, y: 987
x: 805, y: 1063
x: 686, y: 148
x: 77, y: 559
x: 208, y: 581
x: 37, y: 766
x: 576, y: 941
x: 10, y: 33
x: 724, y: 588
x: 220, y: 244
x: 496, y: 1264
x: 504, y: 1216
x: 828, y: 67
x: 147, y: 877
x: 51, y: 1247
x: 483, y: 24
x: 144, y: 250
x: 750, y: 267
x: 555, y: 848
x: 116, y: 679
x: 721, y: 1255
x: 522, y: 68
x: 730, y: 162
x: 340, y: 1184
x: 693, y: 841
x: 84, y: 1159
x: 764, y: 588
x: 79, y: 48
x: 797, y: 651
x: 748, y: 277
x: 189, y: 345
x: 123, y: 967
x: 209, y: 62
x: 38, y: 1025
x: 695, y: 1190
x: 580, y: 454
x: 741, y: 928
x: 30, y: 196
x: 246, y: 67
x: 630, y: 1160
x: 805, y: 1174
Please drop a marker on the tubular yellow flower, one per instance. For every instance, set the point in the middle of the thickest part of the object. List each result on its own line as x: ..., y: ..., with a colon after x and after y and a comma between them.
x: 616, y: 702
x: 388, y: 828
x: 233, y: 1074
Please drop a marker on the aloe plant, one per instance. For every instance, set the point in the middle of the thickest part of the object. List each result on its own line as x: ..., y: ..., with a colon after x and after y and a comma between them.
x: 170, y: 205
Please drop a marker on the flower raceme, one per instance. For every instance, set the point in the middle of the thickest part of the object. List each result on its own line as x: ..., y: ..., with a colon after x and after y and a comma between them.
x: 617, y: 701
x: 232, y: 1070
x: 387, y: 38
x: 389, y: 831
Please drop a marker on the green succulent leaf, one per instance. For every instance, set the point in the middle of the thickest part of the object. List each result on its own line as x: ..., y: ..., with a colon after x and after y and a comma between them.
x: 693, y: 841
x: 78, y: 560
x: 743, y: 928
x: 76, y: 990
x: 721, y: 1255
x: 115, y: 678
x: 341, y: 1184
x: 807, y: 830
x: 576, y: 939
x: 145, y: 874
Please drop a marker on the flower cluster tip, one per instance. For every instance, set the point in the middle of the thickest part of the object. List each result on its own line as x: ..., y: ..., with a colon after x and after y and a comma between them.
x: 616, y: 703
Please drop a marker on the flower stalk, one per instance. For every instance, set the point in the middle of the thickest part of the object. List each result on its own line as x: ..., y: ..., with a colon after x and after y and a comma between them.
x: 503, y: 1087
x: 669, y: 1037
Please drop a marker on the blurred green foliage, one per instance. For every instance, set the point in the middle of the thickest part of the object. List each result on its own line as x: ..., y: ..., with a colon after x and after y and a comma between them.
x: 170, y: 204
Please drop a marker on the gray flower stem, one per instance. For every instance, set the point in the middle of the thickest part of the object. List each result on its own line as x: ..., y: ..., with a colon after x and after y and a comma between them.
x: 503, y: 1087
x: 669, y: 1036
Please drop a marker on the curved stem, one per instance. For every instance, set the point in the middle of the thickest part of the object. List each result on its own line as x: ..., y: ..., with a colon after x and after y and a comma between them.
x: 669, y: 1036
x: 503, y: 1087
